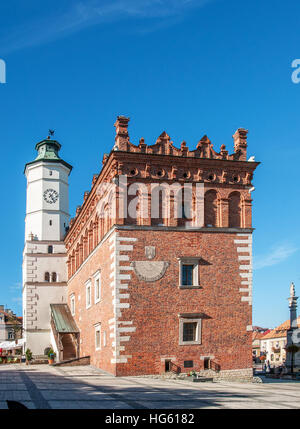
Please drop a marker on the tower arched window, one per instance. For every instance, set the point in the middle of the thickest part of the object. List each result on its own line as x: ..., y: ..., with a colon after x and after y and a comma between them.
x: 50, y: 249
x: 47, y: 277
x: 211, y: 208
x: 157, y: 212
x: 234, y: 208
x: 54, y: 277
x: 184, y: 213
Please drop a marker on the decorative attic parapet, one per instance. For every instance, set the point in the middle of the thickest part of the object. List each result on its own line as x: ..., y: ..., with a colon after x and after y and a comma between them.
x: 122, y: 136
x: 85, y: 195
x: 164, y: 145
x: 240, y: 143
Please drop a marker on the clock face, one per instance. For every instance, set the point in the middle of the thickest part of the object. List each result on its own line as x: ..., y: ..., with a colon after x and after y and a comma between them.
x: 50, y: 196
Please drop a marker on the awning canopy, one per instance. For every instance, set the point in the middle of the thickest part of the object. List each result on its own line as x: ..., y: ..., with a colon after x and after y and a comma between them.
x: 10, y: 345
x: 63, y: 320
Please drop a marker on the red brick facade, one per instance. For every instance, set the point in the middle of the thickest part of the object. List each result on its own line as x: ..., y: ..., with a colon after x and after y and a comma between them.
x: 143, y: 304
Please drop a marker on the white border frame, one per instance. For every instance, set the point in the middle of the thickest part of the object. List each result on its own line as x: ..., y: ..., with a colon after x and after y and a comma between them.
x: 183, y: 320
x: 88, y: 285
x: 98, y: 329
x: 72, y: 301
x: 195, y: 263
x: 97, y: 276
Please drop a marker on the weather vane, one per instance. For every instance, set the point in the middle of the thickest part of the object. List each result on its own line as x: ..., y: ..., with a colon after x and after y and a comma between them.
x: 51, y: 132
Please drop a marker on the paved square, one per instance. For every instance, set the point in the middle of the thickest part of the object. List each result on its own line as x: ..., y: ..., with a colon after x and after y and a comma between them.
x: 48, y: 387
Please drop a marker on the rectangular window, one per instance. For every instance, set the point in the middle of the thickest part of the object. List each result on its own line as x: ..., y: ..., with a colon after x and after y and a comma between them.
x: 189, y: 331
x: 97, y: 283
x: 189, y: 272
x: 72, y: 304
x: 88, y: 295
x: 187, y: 275
x: 98, y: 337
x: 188, y: 364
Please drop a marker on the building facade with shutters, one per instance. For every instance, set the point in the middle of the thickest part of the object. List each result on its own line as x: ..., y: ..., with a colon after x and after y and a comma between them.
x: 10, y: 325
x: 159, y: 258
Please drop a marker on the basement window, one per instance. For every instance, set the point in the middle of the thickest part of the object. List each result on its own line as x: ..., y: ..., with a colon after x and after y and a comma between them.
x: 168, y: 365
x: 206, y: 363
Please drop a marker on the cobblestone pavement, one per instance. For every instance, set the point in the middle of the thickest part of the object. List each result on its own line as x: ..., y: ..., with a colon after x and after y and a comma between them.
x: 48, y: 387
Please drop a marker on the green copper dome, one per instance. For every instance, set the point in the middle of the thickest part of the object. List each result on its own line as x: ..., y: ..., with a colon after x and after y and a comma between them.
x: 48, y: 151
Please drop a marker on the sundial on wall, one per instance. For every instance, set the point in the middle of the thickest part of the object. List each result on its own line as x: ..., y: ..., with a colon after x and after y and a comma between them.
x: 148, y: 270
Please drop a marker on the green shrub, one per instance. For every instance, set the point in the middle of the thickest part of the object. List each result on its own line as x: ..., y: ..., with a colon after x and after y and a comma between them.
x: 28, y: 354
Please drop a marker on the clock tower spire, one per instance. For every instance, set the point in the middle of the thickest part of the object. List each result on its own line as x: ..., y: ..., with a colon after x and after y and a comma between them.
x: 47, y: 211
x: 44, y: 257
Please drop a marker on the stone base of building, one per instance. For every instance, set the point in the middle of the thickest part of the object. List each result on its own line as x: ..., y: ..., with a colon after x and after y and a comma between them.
x: 242, y: 375
x: 85, y: 360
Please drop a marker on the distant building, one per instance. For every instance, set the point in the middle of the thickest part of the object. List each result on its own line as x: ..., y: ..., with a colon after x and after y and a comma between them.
x: 273, y: 344
x: 10, y: 325
x: 257, y: 336
x: 259, y: 329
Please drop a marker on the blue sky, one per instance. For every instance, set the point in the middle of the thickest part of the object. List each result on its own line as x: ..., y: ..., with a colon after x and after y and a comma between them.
x: 190, y: 67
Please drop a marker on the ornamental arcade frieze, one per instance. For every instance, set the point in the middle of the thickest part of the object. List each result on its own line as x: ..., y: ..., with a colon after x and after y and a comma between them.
x: 226, y: 179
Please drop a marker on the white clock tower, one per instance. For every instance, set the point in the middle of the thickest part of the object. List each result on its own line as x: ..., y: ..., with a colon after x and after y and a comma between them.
x: 44, y: 256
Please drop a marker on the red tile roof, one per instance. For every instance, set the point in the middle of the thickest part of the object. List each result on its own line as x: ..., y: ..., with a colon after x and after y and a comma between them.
x: 280, y: 331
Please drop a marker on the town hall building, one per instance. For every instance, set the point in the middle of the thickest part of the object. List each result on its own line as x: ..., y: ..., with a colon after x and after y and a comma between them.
x: 154, y: 273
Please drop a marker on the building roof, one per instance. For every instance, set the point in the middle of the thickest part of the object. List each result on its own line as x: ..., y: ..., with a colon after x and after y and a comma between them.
x: 281, y: 330
x: 258, y: 328
x: 11, y: 317
x: 259, y: 335
x: 63, y: 320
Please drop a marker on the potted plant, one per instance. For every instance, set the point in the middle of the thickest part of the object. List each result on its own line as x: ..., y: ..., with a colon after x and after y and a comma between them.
x: 51, y: 356
x: 28, y: 355
x: 18, y: 354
